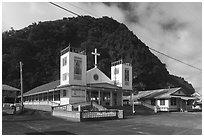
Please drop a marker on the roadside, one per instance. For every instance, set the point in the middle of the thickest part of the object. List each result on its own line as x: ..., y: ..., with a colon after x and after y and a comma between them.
x: 42, y: 123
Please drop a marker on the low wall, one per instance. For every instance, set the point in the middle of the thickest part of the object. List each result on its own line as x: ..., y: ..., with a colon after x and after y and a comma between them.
x: 38, y: 107
x: 88, y: 115
x: 68, y: 115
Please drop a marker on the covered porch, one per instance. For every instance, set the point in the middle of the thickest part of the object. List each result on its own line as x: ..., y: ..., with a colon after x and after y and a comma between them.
x: 181, y: 103
x: 104, y: 94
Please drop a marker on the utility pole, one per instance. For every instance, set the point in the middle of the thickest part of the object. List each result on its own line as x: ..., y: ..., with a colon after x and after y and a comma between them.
x: 21, y: 77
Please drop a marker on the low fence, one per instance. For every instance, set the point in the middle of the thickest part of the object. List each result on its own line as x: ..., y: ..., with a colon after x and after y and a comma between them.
x: 99, y: 115
x: 88, y: 115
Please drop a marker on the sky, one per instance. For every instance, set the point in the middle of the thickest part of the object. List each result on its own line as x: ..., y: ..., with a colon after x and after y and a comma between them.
x: 172, y: 28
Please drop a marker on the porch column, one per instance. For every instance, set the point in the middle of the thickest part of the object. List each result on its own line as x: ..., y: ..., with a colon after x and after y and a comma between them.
x: 38, y: 98
x: 47, y: 98
x: 53, y: 94
x: 99, y: 97
x: 85, y: 95
x: 133, y: 105
x: 122, y: 99
x: 90, y: 94
x: 111, y: 98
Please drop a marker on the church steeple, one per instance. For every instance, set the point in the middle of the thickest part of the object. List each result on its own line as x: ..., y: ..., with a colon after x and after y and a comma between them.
x: 72, y: 67
x: 95, y: 54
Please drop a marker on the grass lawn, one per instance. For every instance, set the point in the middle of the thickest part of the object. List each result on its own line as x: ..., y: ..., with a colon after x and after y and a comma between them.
x: 41, y: 123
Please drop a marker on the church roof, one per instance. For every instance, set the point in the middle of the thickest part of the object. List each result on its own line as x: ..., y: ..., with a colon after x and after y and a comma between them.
x: 9, y: 88
x: 45, y: 87
x: 104, y: 85
x: 102, y: 78
x: 56, y: 85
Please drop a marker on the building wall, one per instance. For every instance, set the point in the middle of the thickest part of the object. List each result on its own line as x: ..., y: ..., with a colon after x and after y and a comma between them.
x: 77, y: 95
x: 102, y: 78
x: 69, y: 69
x: 163, y: 107
x: 174, y: 107
x: 129, y: 86
x: 64, y: 99
x: 119, y: 75
x: 64, y: 69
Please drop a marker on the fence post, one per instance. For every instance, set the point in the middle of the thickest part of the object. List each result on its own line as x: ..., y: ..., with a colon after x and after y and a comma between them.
x: 79, y: 108
x: 80, y: 115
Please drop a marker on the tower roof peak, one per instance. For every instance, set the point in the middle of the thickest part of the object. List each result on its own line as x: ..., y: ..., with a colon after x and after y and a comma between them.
x: 73, y: 49
x: 121, y: 61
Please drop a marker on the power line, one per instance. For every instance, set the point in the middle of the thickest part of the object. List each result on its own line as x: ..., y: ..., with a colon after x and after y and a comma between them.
x: 82, y: 9
x: 149, y: 47
x: 64, y: 8
x: 170, y: 56
x: 175, y: 59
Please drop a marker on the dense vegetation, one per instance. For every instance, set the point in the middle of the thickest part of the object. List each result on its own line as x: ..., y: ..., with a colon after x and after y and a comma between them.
x: 38, y: 47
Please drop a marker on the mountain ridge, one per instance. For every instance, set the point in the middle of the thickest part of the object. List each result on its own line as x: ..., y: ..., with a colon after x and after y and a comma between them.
x: 38, y: 46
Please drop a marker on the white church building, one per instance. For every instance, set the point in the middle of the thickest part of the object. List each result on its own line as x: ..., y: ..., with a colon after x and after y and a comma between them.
x: 78, y: 85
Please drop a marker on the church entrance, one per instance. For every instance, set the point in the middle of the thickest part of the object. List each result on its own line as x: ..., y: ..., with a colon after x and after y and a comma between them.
x: 99, y: 97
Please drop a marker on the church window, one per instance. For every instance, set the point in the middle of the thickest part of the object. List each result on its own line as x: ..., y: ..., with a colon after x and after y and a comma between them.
x: 116, y: 71
x: 95, y: 77
x: 126, y: 76
x: 162, y: 102
x: 77, y: 68
x: 64, y: 61
x: 64, y: 76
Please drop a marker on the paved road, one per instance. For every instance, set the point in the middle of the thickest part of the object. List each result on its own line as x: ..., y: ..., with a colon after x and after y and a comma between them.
x: 41, y: 123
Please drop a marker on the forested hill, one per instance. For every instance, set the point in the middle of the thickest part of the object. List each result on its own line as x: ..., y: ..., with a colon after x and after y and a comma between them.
x: 38, y: 47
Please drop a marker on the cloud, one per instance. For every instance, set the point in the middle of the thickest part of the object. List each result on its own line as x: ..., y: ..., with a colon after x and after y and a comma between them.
x: 172, y: 28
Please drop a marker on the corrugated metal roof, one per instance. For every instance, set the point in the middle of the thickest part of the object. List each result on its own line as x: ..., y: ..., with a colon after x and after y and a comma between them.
x: 9, y: 88
x: 159, y: 93
x: 104, y: 85
x: 188, y: 98
x: 168, y: 93
x: 44, y: 87
x: 56, y: 85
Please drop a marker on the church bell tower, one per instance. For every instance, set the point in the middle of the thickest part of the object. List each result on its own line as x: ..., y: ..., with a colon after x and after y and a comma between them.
x: 72, y: 67
x: 121, y: 74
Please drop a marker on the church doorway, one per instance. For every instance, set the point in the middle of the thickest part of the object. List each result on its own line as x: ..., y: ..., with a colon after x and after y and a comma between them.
x: 99, y: 97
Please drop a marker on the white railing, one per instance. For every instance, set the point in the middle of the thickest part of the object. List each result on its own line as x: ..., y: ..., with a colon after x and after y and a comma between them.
x: 99, y: 107
x: 52, y: 103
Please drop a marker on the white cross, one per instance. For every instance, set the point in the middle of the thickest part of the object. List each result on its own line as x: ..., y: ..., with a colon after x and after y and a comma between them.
x: 95, y: 54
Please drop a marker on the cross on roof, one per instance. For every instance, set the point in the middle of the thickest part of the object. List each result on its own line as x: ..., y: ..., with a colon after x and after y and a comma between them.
x: 95, y: 54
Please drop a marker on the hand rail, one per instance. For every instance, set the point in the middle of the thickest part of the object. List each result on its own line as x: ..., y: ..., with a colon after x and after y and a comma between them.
x: 55, y: 103
x: 98, y: 106
x: 149, y: 106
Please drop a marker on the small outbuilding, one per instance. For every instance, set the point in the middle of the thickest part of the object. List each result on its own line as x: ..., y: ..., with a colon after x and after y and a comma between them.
x: 9, y: 94
x: 171, y: 99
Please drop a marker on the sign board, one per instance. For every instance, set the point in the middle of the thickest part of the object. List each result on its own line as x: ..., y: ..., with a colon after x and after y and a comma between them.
x: 78, y: 93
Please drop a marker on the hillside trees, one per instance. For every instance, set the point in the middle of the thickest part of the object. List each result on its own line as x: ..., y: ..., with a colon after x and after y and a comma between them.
x: 38, y: 47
